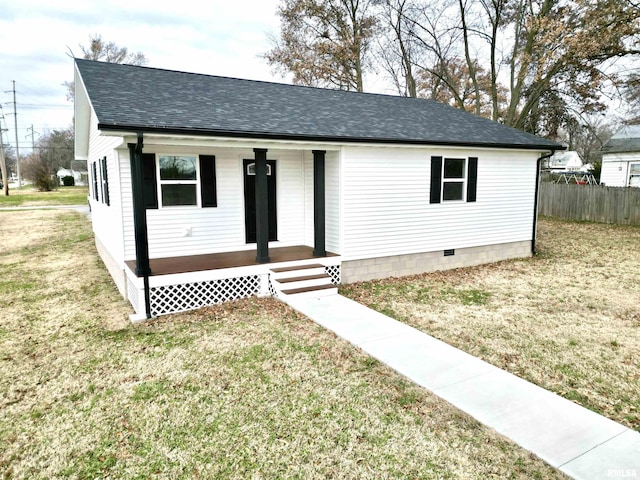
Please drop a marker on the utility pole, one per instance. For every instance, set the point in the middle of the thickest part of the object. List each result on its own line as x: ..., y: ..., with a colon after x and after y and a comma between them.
x: 15, y: 124
x: 33, y: 140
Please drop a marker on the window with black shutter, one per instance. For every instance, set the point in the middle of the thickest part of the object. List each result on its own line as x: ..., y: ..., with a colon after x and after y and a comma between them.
x: 179, y: 180
x: 453, y: 179
x: 94, y: 172
x: 105, y: 182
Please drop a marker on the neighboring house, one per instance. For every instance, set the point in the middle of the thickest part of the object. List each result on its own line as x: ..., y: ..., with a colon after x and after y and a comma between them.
x: 569, y: 161
x: 205, y: 189
x: 621, y: 158
x: 80, y: 177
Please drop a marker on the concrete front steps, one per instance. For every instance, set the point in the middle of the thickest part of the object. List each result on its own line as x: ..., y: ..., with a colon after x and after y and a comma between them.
x: 302, y: 281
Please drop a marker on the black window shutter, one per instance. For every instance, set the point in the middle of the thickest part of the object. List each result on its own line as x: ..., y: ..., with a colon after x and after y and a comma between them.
x: 94, y: 171
x: 472, y: 181
x: 105, y: 182
x: 149, y: 180
x: 208, y: 180
x: 436, y: 179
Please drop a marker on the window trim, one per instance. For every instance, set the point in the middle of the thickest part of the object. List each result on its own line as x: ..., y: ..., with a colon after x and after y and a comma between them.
x: 461, y: 180
x: 630, y: 175
x: 195, y: 182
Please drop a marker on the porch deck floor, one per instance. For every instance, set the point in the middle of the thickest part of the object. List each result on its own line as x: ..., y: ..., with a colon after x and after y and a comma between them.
x: 214, y: 261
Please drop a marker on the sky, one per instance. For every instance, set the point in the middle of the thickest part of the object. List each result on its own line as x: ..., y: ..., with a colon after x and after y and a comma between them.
x: 217, y: 37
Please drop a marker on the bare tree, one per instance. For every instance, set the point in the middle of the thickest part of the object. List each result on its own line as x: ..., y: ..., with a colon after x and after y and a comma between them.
x: 103, y: 51
x: 324, y: 43
x: 398, y: 51
x: 100, y: 50
x: 53, y: 151
x: 557, y: 55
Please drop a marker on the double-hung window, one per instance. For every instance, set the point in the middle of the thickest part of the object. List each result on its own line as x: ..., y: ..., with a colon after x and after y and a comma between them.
x: 178, y: 180
x: 453, y: 179
x: 454, y: 176
x: 634, y: 175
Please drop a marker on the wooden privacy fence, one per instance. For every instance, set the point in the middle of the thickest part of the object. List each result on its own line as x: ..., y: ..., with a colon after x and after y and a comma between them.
x: 591, y: 203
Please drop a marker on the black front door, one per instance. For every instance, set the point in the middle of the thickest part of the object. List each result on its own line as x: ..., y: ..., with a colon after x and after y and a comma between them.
x: 250, y: 200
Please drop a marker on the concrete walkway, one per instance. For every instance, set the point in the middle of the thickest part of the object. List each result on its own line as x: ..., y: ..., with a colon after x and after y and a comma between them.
x: 577, y: 441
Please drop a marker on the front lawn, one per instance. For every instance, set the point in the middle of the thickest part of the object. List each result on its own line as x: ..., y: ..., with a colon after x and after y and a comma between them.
x: 567, y: 320
x: 249, y: 389
x: 30, y: 197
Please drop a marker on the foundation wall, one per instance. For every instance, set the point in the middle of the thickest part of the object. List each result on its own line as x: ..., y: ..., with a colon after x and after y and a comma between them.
x: 117, y: 272
x: 403, y: 265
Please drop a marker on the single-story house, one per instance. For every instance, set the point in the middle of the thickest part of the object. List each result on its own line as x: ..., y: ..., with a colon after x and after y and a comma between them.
x: 621, y: 158
x: 567, y: 161
x: 206, y: 188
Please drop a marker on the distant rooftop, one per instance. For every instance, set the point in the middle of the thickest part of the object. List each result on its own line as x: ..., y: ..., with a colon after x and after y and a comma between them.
x: 133, y: 98
x: 627, y: 139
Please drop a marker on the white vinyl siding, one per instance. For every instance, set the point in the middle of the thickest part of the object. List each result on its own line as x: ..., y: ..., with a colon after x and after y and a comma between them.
x: 106, y: 219
x: 387, y: 211
x: 290, y: 196
x: 308, y: 198
x: 615, y: 168
x: 195, y: 231
x: 332, y: 202
x: 614, y: 174
x: 127, y: 204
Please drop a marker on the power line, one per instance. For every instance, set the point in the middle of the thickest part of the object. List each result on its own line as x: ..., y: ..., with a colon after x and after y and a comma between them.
x: 45, y: 106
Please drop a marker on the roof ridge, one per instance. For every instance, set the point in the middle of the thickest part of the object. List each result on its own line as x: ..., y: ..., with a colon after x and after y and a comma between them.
x: 266, y: 82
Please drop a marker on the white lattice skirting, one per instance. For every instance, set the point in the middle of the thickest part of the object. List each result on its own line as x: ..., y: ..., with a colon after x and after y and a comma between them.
x: 189, y: 296
x: 179, y: 293
x: 334, y: 272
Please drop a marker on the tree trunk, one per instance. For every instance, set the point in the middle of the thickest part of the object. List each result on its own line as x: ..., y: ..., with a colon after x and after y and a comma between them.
x: 494, y: 71
x: 467, y: 55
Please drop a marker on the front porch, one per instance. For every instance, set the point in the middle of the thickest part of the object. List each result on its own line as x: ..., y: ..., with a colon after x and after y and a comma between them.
x: 215, y: 261
x: 178, y: 284
x: 262, y: 208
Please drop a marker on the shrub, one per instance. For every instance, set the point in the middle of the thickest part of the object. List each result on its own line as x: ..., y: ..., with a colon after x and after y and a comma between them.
x: 68, y: 181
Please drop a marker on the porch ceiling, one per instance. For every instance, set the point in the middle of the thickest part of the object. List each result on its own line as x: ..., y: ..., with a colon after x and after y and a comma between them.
x: 214, y: 261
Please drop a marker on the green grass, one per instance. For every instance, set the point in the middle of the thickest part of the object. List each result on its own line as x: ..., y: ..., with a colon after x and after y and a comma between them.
x: 248, y: 389
x: 30, y: 197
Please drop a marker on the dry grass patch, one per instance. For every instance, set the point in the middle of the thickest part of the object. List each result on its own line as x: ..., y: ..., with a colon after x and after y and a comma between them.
x: 245, y: 390
x: 567, y: 320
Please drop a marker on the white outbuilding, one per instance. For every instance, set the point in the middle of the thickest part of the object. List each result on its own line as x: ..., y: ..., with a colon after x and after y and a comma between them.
x: 621, y: 158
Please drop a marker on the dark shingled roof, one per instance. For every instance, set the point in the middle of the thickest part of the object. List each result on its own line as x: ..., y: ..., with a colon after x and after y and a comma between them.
x: 133, y: 98
x: 626, y: 140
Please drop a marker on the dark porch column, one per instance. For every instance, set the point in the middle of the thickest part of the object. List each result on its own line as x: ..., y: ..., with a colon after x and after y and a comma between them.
x: 262, y: 206
x: 318, y: 204
x: 139, y: 209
